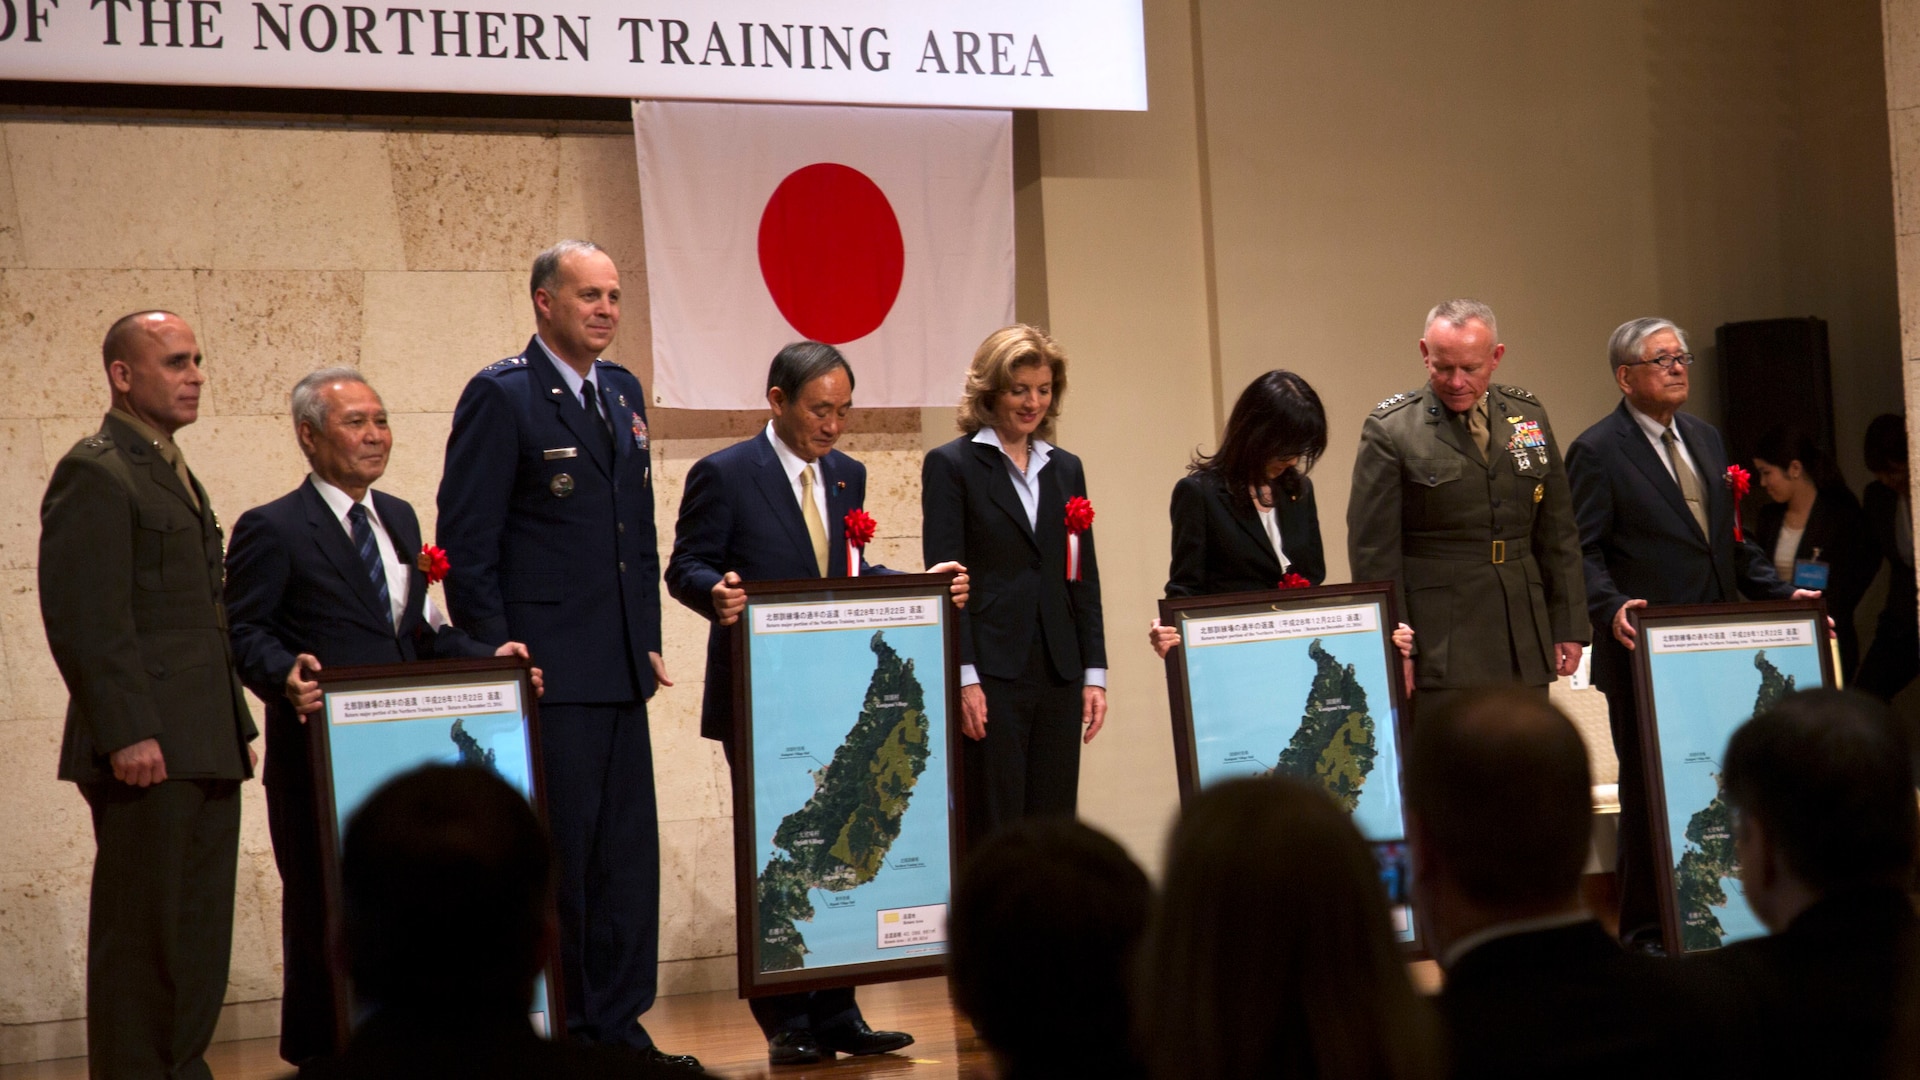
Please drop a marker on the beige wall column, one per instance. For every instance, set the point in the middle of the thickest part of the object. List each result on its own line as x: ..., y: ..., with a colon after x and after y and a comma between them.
x: 1901, y: 28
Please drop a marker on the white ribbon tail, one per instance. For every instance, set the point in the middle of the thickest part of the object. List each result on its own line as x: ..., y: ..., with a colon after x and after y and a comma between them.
x: 853, y: 559
x: 1073, y: 556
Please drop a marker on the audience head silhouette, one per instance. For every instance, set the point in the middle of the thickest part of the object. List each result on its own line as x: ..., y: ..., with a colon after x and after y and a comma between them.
x: 446, y: 887
x: 1822, y: 789
x: 1270, y: 953
x: 1045, y: 926
x: 1499, y: 808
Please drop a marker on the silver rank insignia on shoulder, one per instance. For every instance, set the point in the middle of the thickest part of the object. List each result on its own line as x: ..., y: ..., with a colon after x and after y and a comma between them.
x: 561, y: 485
x: 1394, y: 400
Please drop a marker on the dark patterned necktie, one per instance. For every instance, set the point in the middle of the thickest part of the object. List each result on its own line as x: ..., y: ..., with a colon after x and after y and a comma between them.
x: 590, y: 400
x: 370, y: 556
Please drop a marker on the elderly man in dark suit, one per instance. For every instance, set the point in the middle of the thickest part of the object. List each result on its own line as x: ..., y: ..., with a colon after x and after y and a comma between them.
x: 1656, y: 515
x: 327, y: 574
x: 1499, y: 813
x: 157, y: 726
x: 546, y: 514
x: 770, y: 508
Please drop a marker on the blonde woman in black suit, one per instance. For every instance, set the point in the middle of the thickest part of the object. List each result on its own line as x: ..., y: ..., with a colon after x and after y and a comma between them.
x: 1032, y: 648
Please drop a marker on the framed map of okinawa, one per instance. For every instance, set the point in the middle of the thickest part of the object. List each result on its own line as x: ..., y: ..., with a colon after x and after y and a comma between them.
x: 1301, y: 682
x: 846, y: 783
x: 380, y: 720
x: 1700, y: 672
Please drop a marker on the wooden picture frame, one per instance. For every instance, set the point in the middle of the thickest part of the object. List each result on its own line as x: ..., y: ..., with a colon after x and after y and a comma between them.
x: 820, y: 666
x: 1251, y: 674
x: 377, y: 721
x: 1699, y: 672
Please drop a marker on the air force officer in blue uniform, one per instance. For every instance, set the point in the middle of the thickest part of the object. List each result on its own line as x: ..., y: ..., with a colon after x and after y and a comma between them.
x: 774, y: 507
x: 546, y: 514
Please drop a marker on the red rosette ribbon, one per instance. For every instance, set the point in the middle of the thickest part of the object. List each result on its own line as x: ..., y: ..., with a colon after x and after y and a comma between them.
x: 1295, y: 581
x: 860, y: 528
x: 433, y: 563
x: 1079, y: 520
x: 1741, y: 481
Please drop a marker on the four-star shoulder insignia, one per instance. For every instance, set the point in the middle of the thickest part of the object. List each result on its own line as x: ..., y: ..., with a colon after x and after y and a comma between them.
x: 1514, y: 391
x: 509, y: 362
x: 1396, y: 399
x: 96, y: 442
x: 611, y: 363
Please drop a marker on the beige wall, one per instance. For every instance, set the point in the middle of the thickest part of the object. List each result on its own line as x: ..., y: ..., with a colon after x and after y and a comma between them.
x: 1306, y: 183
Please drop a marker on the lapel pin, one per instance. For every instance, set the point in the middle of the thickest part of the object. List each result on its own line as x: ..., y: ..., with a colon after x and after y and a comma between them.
x: 840, y: 484
x: 623, y: 401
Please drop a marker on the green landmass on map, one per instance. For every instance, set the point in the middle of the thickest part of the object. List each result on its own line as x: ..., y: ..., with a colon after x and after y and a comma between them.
x: 839, y: 839
x: 1709, y: 855
x: 1333, y: 746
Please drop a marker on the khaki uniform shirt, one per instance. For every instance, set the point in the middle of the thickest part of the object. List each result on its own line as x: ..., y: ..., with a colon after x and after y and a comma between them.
x: 1484, y: 554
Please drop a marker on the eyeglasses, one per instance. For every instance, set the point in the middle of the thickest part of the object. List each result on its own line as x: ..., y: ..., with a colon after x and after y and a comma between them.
x: 1664, y: 362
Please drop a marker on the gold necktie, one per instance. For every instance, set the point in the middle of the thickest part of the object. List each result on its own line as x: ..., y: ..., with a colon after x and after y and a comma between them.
x: 1475, y: 421
x: 1689, y: 483
x: 810, y: 513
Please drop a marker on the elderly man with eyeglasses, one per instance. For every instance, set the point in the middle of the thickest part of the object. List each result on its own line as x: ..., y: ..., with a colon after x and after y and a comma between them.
x: 1656, y: 516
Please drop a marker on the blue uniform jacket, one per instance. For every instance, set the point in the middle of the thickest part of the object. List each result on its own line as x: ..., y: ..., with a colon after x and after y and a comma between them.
x: 739, y: 513
x: 551, y: 541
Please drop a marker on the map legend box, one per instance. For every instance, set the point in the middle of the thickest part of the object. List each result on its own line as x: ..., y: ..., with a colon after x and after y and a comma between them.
x: 902, y: 927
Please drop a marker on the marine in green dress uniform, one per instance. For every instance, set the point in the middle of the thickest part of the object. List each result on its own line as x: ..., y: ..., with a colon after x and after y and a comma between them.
x: 157, y: 728
x: 1460, y: 498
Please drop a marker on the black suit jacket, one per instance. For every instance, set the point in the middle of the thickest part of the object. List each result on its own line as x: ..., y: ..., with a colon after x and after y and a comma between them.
x: 1641, y: 542
x: 739, y: 513
x: 1824, y: 996
x: 1837, y: 528
x: 549, y: 533
x: 1219, y: 545
x: 295, y: 584
x: 1570, y: 1003
x: 971, y: 513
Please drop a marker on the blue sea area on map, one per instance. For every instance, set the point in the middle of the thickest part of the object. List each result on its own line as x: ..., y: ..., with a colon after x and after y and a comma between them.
x: 366, y: 755
x: 1248, y: 699
x: 808, y: 690
x: 1703, y: 697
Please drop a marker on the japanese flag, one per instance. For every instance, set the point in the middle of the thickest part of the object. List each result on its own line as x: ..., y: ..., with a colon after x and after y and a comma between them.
x: 886, y: 232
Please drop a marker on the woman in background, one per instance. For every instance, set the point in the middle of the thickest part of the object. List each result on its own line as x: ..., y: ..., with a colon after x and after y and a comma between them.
x: 1813, y: 517
x: 1033, y: 654
x: 1244, y: 518
x: 1270, y: 953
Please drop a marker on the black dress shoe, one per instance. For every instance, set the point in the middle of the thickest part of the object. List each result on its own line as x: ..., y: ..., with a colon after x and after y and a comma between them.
x: 793, y: 1048
x: 857, y: 1038
x: 662, y: 1061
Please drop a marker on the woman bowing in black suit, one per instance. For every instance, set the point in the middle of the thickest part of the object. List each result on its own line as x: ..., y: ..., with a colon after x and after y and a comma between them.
x: 1032, y: 651
x: 1813, y: 517
x: 1244, y: 518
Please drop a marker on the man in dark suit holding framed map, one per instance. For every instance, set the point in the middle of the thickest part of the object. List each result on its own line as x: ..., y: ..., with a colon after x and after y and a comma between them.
x: 332, y: 573
x: 1657, y: 518
x: 770, y: 508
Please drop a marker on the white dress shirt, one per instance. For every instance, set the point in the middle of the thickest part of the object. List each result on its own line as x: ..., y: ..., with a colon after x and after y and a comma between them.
x: 791, y: 462
x: 574, y: 379
x: 1656, y: 433
x: 399, y: 572
x: 1270, y: 521
x: 1026, y: 485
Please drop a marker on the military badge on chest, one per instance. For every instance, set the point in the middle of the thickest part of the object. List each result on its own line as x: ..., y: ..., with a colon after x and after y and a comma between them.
x: 1528, y: 441
x: 639, y: 431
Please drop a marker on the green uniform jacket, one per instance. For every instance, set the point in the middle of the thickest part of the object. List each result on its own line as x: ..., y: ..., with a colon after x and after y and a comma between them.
x: 1485, y: 557
x: 130, y: 582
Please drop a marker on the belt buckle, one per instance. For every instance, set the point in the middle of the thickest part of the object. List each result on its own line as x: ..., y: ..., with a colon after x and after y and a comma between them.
x: 1499, y: 551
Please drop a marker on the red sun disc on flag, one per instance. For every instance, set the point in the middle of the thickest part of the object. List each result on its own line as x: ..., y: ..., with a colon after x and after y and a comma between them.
x: 830, y: 252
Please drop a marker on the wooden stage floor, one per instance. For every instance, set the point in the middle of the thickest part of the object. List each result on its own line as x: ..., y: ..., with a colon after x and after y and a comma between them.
x: 715, y: 1027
